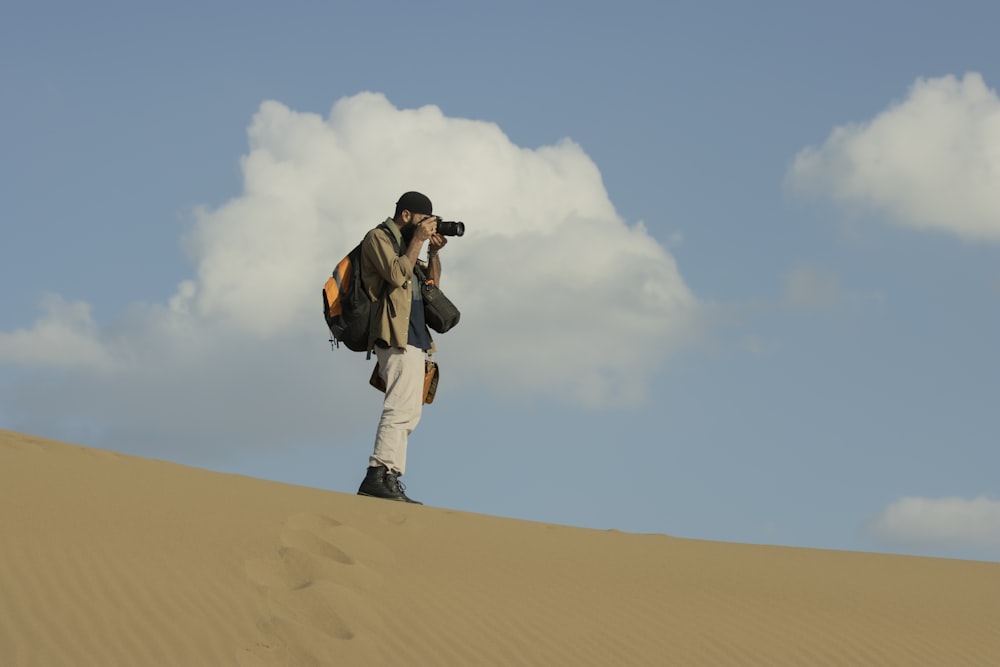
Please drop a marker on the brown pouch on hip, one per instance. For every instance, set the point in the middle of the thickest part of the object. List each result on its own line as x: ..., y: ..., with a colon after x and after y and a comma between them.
x: 431, y: 376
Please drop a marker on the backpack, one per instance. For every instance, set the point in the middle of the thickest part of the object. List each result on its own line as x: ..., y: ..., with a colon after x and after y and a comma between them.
x: 346, y: 307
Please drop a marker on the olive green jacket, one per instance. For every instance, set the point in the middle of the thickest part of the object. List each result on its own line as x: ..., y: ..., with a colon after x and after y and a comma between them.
x: 382, y: 266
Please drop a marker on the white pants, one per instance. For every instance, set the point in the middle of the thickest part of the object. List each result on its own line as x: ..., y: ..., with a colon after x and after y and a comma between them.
x: 403, y: 373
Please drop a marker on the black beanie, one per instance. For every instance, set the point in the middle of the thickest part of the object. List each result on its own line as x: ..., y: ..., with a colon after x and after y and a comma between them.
x: 414, y: 202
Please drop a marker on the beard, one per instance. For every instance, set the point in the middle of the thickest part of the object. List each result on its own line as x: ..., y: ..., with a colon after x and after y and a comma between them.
x: 406, y: 232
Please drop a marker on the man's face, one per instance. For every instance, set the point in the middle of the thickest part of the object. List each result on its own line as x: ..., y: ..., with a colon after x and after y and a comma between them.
x: 410, y: 218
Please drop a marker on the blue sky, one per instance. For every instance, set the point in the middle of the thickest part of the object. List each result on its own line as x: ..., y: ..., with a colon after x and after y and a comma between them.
x: 731, y: 272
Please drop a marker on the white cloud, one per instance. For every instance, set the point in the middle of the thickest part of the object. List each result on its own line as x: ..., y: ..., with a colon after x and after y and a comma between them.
x: 816, y: 288
x: 64, y: 336
x: 811, y: 287
x: 931, y: 161
x: 946, y: 522
x: 559, y: 296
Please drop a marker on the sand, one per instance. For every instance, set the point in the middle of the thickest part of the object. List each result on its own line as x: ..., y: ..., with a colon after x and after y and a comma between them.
x: 107, y: 559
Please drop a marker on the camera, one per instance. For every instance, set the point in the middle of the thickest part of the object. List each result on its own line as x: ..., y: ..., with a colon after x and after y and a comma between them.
x: 444, y: 228
x: 450, y: 228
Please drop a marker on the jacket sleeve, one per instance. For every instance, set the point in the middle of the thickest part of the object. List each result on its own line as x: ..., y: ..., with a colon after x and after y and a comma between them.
x: 380, y: 254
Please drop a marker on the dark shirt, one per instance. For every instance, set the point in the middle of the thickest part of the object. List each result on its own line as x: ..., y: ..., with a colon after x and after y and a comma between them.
x: 418, y: 335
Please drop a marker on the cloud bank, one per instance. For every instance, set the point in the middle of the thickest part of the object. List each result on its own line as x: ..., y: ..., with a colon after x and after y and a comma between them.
x: 560, y: 298
x: 942, y: 522
x: 931, y: 161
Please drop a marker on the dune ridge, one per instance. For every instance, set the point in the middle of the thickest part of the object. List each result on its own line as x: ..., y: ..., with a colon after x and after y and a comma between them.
x: 108, y: 559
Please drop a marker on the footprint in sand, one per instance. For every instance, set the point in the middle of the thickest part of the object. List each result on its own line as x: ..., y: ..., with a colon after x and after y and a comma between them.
x: 320, y: 574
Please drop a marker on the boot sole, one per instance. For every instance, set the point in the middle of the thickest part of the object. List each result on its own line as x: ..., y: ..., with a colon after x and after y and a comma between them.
x: 399, y: 500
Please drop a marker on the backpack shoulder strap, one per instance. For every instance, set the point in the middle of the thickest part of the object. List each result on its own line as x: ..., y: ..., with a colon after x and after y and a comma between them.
x: 393, y: 237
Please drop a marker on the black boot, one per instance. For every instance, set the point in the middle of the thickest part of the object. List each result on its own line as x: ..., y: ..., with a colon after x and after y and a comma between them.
x: 380, y: 483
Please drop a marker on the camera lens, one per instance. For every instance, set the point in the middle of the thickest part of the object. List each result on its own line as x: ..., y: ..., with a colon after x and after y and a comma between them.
x: 449, y: 228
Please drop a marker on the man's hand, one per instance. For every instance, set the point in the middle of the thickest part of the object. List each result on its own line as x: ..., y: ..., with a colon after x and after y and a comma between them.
x: 426, y: 229
x: 437, y: 242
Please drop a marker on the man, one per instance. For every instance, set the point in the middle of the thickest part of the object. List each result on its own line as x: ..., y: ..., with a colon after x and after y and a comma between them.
x: 401, y: 335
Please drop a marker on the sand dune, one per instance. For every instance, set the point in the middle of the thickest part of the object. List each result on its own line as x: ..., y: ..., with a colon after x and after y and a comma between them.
x: 108, y: 559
